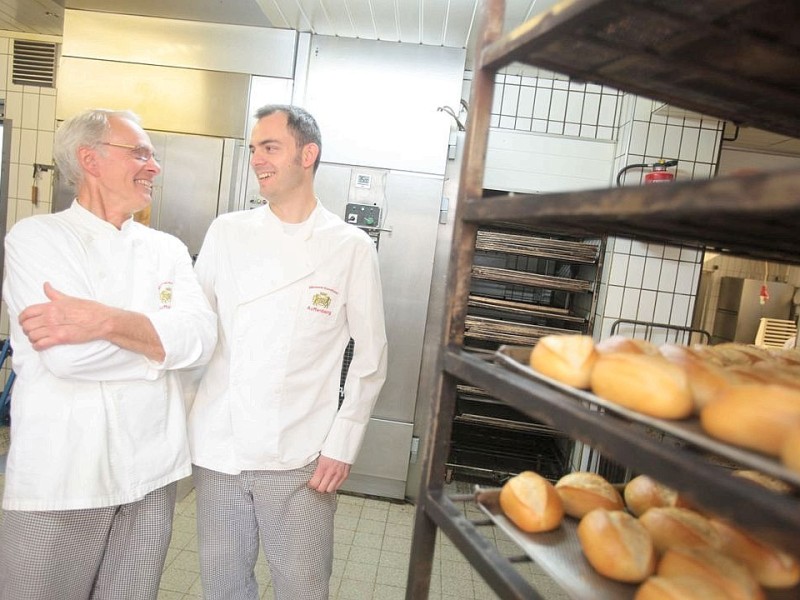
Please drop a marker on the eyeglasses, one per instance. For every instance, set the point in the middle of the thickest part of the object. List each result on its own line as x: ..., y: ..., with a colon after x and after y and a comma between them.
x: 142, y: 153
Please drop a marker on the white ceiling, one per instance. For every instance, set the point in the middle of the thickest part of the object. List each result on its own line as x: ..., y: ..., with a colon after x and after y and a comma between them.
x: 432, y: 22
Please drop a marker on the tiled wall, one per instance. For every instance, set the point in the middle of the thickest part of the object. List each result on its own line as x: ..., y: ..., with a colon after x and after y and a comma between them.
x: 549, y: 103
x: 644, y: 282
x: 32, y: 113
x: 653, y: 282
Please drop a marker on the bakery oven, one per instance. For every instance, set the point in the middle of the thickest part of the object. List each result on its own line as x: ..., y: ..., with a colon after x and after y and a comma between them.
x: 525, y: 285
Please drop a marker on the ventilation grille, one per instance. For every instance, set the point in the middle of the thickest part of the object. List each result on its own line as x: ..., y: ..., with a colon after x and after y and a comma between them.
x: 34, y: 63
x: 774, y: 333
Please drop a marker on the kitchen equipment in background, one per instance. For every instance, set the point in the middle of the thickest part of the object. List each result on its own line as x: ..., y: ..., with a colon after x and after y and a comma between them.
x: 739, y: 308
x: 412, y: 202
x: 38, y: 169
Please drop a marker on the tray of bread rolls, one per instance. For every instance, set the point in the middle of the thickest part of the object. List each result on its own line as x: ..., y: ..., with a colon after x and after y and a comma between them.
x: 639, y: 540
x: 558, y: 552
x: 736, y: 402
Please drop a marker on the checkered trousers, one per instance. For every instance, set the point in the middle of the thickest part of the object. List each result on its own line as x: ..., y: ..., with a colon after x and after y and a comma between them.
x: 293, y: 523
x: 110, y: 553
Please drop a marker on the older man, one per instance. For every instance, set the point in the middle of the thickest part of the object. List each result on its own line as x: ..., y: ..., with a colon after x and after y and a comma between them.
x: 103, y: 311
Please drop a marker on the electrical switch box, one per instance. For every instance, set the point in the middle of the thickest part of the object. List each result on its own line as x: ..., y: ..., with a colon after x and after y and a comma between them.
x: 363, y: 215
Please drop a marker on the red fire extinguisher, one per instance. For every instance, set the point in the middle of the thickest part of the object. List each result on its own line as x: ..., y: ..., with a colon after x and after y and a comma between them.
x: 659, y: 174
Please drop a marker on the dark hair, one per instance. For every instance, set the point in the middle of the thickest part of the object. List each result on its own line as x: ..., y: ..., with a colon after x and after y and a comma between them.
x: 302, y: 125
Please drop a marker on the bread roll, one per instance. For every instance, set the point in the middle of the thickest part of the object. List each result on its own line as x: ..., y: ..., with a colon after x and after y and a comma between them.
x: 671, y: 526
x: 647, y: 384
x: 790, y: 450
x: 770, y: 566
x: 565, y: 358
x: 617, y: 545
x: 642, y: 493
x: 619, y: 343
x: 531, y: 502
x: 706, y: 379
x: 582, y: 492
x: 683, y: 587
x: 753, y: 416
x: 711, y: 564
x: 733, y: 353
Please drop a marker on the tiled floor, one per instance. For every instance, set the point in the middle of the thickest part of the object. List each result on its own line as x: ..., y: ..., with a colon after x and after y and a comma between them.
x: 371, y: 554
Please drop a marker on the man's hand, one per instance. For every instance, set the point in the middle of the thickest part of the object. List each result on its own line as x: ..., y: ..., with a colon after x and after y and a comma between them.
x: 62, y: 320
x: 69, y: 320
x: 329, y: 475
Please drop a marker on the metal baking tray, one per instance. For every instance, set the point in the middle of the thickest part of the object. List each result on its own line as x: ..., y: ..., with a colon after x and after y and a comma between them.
x: 687, y: 430
x: 559, y: 555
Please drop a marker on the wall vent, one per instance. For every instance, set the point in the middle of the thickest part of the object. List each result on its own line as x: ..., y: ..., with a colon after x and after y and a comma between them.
x: 34, y: 63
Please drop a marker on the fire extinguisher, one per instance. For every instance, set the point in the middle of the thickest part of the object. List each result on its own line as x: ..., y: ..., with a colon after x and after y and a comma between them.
x: 659, y: 174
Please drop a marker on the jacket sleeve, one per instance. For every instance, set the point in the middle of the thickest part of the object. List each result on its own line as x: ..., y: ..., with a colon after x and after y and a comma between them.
x: 188, y: 332
x: 367, y: 371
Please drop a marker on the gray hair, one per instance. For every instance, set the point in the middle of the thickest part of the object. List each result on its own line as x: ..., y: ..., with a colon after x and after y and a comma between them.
x: 86, y: 129
x: 302, y: 125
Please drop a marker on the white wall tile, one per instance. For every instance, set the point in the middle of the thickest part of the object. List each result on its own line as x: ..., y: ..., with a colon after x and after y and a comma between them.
x: 655, y: 250
x: 558, y: 105
x: 638, y: 248
x: 643, y: 109
x: 669, y: 273
x: 663, y: 309
x: 708, y: 146
x: 27, y: 146
x: 526, y: 96
x: 639, y: 135
x: 613, y: 304
x: 690, y: 254
x: 630, y: 303
x: 4, y: 60
x: 652, y: 272
x: 635, y: 272
x: 672, y: 252
x: 47, y: 113
x: 14, y: 108
x: 647, y: 305
x: 541, y: 106
x: 703, y: 171
x: 608, y: 110
x: 655, y: 140
x: 44, y: 147
x: 618, y: 270
x: 689, y: 144
x: 574, y: 106
x: 622, y: 244
x: 672, y: 141
x: 509, y: 97
x: 686, y: 279
x: 591, y: 108
x: 680, y: 310
x: 30, y: 111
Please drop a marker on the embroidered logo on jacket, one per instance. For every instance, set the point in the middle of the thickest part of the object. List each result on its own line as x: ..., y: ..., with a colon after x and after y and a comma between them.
x: 165, y: 295
x: 321, y: 300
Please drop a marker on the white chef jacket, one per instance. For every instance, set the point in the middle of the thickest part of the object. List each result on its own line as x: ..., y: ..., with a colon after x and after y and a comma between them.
x: 287, y: 306
x: 93, y: 424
